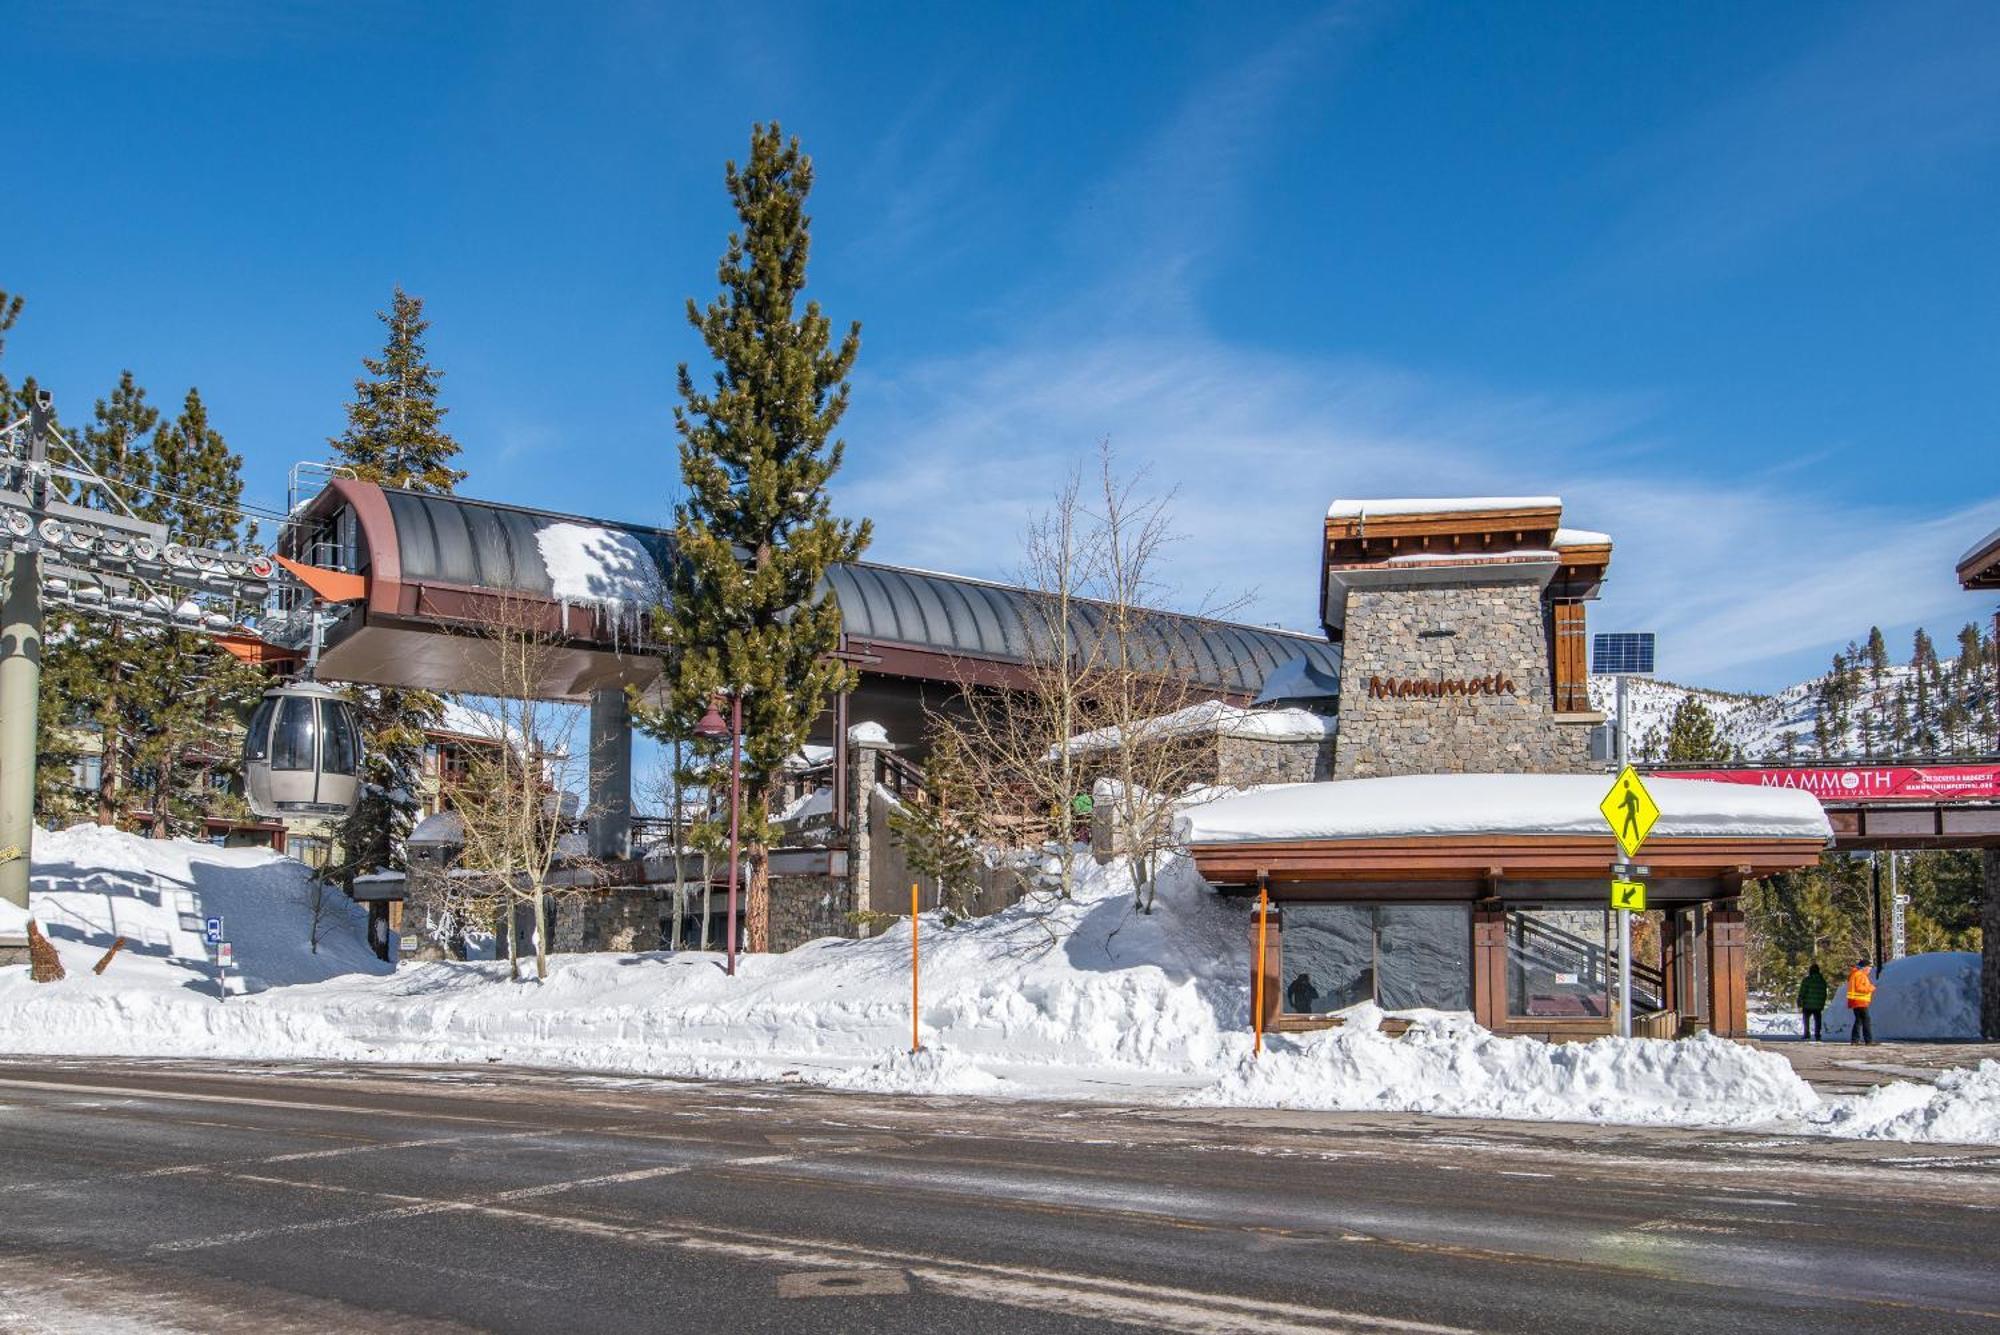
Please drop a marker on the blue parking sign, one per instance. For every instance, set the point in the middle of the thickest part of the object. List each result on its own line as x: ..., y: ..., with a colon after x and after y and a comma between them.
x: 211, y: 931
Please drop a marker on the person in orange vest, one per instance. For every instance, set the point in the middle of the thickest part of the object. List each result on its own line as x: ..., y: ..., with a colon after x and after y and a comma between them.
x: 1860, y: 992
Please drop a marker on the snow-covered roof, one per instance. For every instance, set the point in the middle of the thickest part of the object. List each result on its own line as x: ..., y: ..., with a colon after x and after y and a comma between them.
x: 1581, y: 537
x: 1437, y: 505
x: 589, y: 563
x: 1495, y: 804
x: 1213, y: 718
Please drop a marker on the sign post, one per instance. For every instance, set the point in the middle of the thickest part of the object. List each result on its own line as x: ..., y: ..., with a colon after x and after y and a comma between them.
x: 225, y: 955
x: 1631, y: 813
x: 916, y: 1032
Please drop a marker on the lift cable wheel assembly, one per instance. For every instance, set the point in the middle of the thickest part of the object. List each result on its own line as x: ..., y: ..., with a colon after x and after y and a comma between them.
x: 105, y: 561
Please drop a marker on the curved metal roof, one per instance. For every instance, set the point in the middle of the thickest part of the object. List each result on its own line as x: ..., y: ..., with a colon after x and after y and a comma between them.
x: 487, y: 546
x: 974, y: 619
x: 482, y: 545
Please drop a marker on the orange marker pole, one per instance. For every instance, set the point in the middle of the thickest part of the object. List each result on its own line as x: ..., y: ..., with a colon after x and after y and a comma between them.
x: 916, y: 1038
x: 1263, y: 933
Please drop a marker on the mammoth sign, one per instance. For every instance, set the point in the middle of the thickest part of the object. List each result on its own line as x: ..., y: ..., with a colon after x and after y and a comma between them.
x: 1391, y: 688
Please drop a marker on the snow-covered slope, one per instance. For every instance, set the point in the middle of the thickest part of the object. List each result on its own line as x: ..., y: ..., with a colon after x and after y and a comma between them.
x: 1773, y: 727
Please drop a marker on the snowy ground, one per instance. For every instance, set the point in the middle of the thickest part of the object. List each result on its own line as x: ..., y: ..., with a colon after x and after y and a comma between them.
x: 1088, y: 998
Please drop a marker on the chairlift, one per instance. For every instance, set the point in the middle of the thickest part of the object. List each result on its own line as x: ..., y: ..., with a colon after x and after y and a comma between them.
x: 302, y: 753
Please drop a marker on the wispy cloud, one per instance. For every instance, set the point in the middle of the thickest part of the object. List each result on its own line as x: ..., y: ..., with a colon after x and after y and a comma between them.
x: 1746, y: 577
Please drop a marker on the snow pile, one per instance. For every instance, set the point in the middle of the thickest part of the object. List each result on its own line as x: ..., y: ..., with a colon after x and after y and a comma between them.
x: 92, y: 884
x: 13, y: 921
x: 1496, y: 804
x: 1084, y: 997
x: 588, y: 563
x: 1211, y: 718
x: 1962, y: 1108
x: 1581, y: 537
x: 1447, y: 1066
x: 1933, y: 996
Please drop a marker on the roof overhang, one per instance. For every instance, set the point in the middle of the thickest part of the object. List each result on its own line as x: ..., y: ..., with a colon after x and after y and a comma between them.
x: 1980, y: 567
x: 1489, y: 858
x: 1532, y: 568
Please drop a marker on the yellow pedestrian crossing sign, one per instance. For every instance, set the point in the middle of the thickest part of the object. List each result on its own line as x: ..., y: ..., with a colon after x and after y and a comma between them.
x: 1630, y: 811
x: 1629, y: 896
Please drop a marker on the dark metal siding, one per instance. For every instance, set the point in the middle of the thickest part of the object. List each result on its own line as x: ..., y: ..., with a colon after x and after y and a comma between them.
x: 457, y: 541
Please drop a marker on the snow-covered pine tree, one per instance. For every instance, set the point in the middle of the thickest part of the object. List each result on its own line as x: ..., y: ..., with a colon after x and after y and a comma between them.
x: 756, y: 454
x: 1878, y: 654
x: 394, y: 437
x: 197, y: 693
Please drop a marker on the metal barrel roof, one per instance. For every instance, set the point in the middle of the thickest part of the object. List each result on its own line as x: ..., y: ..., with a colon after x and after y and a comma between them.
x: 479, y: 544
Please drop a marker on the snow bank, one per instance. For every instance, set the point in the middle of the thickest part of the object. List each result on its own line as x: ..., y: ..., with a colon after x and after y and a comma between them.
x: 1499, y: 804
x: 1933, y: 996
x: 1448, y: 1066
x: 588, y: 563
x: 1211, y: 718
x: 1963, y: 1108
x: 13, y: 921
x: 1084, y: 997
x: 1438, y: 505
x: 91, y: 884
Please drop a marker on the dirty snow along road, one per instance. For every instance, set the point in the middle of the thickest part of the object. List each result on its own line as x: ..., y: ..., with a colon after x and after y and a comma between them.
x: 148, y: 1195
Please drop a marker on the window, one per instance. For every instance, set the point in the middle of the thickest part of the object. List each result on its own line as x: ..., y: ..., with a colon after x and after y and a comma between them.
x: 88, y: 773
x: 1561, y: 963
x: 294, y: 741
x: 341, y: 744
x: 257, y: 746
x: 1400, y: 956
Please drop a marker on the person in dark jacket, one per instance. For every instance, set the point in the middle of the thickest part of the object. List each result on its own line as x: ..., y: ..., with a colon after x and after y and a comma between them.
x: 1812, y: 1005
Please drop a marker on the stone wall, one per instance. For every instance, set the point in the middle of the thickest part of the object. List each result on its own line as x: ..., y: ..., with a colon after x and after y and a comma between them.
x: 804, y: 908
x: 1450, y: 679
x: 1242, y: 761
x: 614, y: 920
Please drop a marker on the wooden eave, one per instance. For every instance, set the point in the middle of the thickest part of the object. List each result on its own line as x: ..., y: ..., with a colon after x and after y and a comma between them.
x: 1532, y: 521
x: 1493, y: 857
x: 1981, y: 569
x: 1596, y: 554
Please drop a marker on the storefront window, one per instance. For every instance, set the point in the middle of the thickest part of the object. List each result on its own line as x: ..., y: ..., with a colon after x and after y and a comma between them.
x: 1400, y: 956
x: 1561, y: 963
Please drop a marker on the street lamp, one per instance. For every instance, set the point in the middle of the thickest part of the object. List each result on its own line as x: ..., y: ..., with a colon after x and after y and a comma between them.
x: 712, y: 726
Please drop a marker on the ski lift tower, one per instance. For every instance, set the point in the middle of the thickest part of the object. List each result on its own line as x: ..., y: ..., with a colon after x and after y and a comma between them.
x: 94, y: 560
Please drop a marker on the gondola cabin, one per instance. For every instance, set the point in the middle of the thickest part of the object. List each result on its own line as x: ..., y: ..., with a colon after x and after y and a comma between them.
x: 302, y: 753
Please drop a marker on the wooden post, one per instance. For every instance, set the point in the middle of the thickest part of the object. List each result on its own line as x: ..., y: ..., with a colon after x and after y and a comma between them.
x: 1728, y: 988
x: 1489, y: 964
x: 916, y: 1038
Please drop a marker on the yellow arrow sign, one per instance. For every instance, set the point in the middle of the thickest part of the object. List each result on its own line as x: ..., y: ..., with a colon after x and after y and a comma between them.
x: 1630, y: 811
x: 1629, y: 896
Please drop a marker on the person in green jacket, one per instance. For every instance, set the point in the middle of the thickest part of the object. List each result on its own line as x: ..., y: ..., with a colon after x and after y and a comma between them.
x: 1812, y: 1004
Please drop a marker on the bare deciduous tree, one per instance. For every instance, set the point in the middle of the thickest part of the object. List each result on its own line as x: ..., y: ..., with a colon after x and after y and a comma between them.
x: 520, y: 800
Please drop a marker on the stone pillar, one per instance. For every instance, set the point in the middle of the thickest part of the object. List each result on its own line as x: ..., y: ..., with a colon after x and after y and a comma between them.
x: 610, y: 810
x: 866, y: 745
x: 1989, y: 953
x: 1728, y: 982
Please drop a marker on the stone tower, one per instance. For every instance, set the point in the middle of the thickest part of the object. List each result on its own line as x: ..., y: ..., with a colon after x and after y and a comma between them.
x: 1461, y: 630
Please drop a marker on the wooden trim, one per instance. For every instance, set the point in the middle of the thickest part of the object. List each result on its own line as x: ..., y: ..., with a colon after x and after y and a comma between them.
x: 1519, y: 857
x: 1728, y: 979
x: 1449, y: 523
x: 1569, y: 659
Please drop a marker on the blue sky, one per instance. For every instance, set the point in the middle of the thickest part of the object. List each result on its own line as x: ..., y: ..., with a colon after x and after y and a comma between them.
x: 1721, y: 275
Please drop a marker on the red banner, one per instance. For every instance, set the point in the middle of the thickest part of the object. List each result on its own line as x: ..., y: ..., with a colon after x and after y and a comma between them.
x: 1866, y: 783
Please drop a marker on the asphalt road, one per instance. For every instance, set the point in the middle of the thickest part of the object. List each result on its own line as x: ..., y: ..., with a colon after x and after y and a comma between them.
x: 139, y: 1196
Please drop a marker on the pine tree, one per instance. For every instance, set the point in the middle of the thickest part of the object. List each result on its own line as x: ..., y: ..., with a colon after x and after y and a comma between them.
x: 10, y: 311
x: 1878, y: 654
x: 394, y: 437
x: 197, y: 692
x: 756, y: 456
x: 1693, y: 736
x: 1924, y: 722
x: 92, y: 674
x: 394, y: 434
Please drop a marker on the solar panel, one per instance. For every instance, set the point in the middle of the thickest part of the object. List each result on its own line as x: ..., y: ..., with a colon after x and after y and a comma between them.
x: 1622, y: 654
